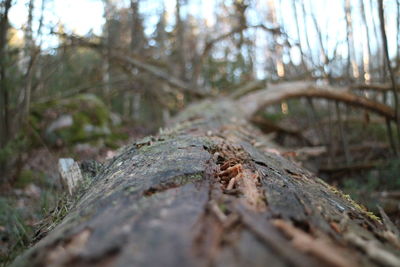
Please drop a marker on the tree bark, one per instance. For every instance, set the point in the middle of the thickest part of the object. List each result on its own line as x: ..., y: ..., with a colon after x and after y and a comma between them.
x: 211, y: 190
x: 398, y: 34
x: 305, y: 30
x: 180, y: 38
x: 29, y: 60
x: 366, y: 54
x: 109, y: 39
x: 137, y: 35
x: 325, y: 60
x: 350, y: 41
x: 4, y: 95
x: 389, y: 67
x: 297, y: 22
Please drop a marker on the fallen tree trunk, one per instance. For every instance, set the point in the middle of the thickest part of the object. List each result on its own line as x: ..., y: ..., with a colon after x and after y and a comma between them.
x: 212, y: 191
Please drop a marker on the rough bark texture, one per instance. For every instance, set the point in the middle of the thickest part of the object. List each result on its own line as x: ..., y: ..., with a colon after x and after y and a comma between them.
x: 4, y: 94
x: 210, y: 192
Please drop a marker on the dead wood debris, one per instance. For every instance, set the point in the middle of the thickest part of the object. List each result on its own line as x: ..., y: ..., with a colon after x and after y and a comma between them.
x: 234, y: 181
x: 219, y: 214
x: 320, y: 248
x: 373, y: 250
x: 237, y: 183
x: 236, y: 172
x: 391, y: 232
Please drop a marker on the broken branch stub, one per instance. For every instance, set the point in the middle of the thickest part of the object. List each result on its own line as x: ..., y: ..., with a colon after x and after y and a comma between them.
x: 70, y: 173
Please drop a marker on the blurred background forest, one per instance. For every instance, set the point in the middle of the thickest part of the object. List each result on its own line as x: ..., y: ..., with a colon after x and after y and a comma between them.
x: 81, y: 78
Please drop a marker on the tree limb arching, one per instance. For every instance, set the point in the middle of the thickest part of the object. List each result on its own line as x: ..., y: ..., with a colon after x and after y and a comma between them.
x: 283, y: 91
x: 371, y: 87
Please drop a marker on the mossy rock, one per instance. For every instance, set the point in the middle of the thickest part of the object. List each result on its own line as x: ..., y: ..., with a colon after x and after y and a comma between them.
x: 81, y: 118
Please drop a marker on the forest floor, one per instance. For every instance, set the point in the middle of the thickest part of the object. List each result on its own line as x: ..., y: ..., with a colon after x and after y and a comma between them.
x: 37, y: 192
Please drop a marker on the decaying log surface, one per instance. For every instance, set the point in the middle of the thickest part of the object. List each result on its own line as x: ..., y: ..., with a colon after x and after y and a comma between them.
x: 212, y: 191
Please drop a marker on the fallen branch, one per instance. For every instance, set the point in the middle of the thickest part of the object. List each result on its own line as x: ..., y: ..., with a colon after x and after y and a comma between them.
x: 248, y: 88
x: 259, y: 100
x: 388, y: 194
x: 75, y: 40
x: 267, y: 126
x: 371, y: 87
x: 159, y: 73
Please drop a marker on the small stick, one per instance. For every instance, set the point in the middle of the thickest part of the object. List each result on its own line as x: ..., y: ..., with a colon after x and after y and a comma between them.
x: 231, y: 184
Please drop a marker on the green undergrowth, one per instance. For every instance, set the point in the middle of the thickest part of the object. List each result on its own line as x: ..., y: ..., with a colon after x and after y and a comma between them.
x: 24, y: 220
x: 15, y: 231
x: 295, y: 108
x: 367, y: 131
x: 365, y: 188
x: 18, y: 222
x: 63, y: 205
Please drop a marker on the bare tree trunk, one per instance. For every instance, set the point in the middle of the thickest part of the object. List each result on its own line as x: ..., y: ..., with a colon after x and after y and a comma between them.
x: 317, y: 125
x: 367, y: 51
x: 202, y: 194
x: 137, y: 34
x: 106, y: 66
x: 136, y: 45
x: 390, y: 137
x: 343, y: 136
x: 4, y: 96
x: 29, y: 58
x: 325, y: 60
x: 331, y: 129
x: 381, y: 58
x: 296, y: 18
x: 398, y: 35
x: 136, y: 100
x: 278, y: 51
x: 350, y: 41
x: 306, y: 32
x: 39, y: 71
x: 180, y: 48
x: 389, y: 66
